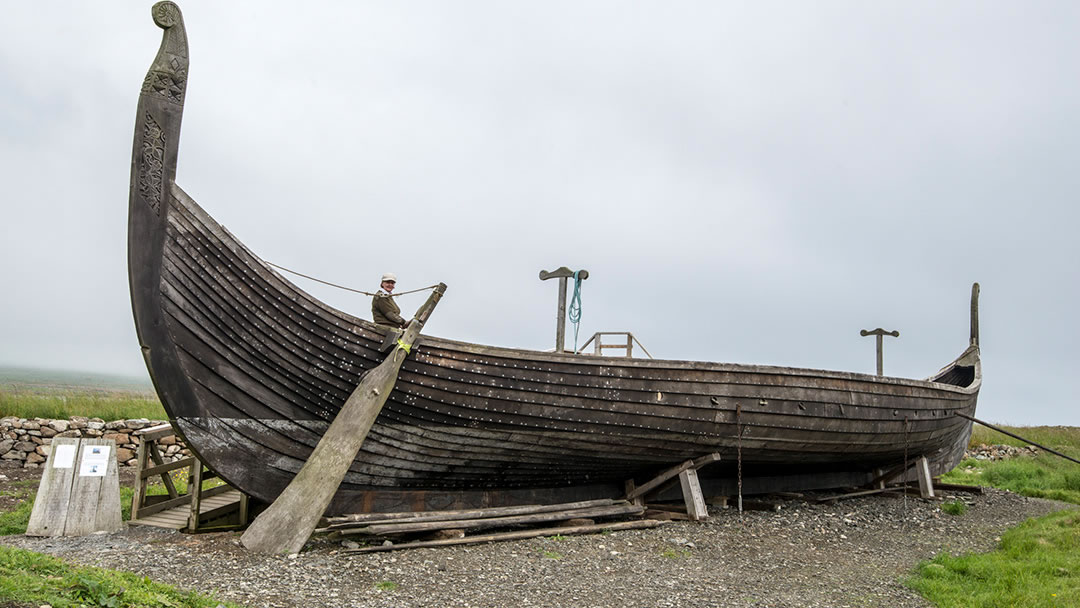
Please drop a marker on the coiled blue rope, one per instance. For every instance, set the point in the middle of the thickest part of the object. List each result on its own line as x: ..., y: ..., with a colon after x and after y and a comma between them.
x: 575, y: 308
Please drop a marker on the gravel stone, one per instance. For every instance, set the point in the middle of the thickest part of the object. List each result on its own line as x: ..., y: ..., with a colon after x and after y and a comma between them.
x: 807, y: 555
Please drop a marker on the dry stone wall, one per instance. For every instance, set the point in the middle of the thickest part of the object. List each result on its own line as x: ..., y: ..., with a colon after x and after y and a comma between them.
x: 26, y: 442
x: 999, y: 452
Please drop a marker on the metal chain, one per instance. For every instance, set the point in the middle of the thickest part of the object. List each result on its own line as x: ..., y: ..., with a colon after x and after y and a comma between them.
x: 738, y: 448
x: 366, y: 293
x: 907, y: 435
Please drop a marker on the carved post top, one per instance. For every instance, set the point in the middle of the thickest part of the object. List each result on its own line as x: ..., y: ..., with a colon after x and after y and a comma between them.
x: 428, y: 306
x: 167, y: 76
x: 975, y: 314
x: 879, y: 332
x: 562, y: 273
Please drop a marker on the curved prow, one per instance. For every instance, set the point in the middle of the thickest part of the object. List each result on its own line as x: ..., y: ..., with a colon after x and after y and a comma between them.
x: 974, y: 314
x: 153, y: 170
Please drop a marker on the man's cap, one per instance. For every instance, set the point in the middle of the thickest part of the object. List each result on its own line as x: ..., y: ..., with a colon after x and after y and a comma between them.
x: 389, y: 276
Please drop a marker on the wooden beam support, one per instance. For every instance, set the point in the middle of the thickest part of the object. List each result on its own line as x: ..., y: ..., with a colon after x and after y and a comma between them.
x: 691, y: 491
x: 371, y: 519
x: 655, y: 482
x: 833, y: 499
x: 161, y: 469
x: 407, y: 527
x: 957, y: 487
x: 287, y: 524
x: 926, y: 482
x: 490, y: 538
x: 153, y: 433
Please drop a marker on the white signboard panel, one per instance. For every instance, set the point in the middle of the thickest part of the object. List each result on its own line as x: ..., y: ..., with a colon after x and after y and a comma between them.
x: 95, y: 461
x: 64, y: 455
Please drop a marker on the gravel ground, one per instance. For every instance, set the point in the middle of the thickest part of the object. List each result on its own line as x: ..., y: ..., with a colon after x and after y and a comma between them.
x: 853, y: 553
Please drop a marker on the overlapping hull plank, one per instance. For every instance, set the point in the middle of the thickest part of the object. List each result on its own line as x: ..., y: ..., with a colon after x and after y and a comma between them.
x: 252, y: 370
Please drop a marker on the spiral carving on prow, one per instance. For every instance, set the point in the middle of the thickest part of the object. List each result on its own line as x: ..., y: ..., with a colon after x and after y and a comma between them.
x: 167, y: 76
x: 166, y: 14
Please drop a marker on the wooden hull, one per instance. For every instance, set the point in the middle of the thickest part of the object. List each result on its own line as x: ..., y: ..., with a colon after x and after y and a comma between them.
x: 252, y: 370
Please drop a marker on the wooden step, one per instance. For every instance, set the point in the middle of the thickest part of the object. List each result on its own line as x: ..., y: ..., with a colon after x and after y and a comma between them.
x: 176, y: 518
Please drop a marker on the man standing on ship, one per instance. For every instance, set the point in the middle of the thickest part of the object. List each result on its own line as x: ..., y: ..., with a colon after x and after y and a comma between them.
x: 384, y: 310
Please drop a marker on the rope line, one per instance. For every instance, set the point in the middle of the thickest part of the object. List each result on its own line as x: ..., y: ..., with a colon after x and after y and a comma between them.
x: 366, y: 293
x: 575, y: 308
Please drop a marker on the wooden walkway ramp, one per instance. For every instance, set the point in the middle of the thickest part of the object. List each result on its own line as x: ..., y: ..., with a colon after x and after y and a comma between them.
x: 179, y: 517
x: 194, y: 510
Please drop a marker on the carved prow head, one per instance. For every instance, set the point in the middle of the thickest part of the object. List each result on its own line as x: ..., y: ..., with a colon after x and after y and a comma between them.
x: 167, y: 76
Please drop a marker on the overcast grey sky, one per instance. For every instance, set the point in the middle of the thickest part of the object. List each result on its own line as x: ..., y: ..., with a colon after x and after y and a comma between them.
x: 747, y: 182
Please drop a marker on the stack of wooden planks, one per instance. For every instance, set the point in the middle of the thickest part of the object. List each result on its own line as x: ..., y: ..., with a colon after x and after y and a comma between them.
x: 568, y: 519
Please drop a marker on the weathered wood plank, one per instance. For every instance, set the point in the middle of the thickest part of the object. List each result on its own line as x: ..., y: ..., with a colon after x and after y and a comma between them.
x: 51, y: 505
x: 492, y: 522
x: 370, y: 519
x: 520, y: 535
x: 95, y: 498
x: 691, y: 490
x: 153, y: 433
x: 657, y: 481
x: 166, y: 467
x: 957, y: 487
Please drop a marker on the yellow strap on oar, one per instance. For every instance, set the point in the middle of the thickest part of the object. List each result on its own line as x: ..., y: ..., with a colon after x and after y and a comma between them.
x: 405, y: 347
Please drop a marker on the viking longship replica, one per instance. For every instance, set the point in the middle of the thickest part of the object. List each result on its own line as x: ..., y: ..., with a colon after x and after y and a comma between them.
x: 252, y: 371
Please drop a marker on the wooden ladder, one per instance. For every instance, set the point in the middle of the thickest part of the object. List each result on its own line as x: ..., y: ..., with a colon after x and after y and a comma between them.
x: 190, y: 511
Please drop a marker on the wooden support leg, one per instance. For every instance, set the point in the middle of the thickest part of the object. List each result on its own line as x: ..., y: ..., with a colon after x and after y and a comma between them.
x: 656, y: 482
x: 691, y: 491
x: 926, y: 483
x: 139, y: 495
x: 195, y: 491
x: 155, y: 455
x: 878, y: 482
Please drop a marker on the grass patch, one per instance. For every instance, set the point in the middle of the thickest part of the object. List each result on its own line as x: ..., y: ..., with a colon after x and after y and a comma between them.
x: 14, y: 522
x: 28, y: 393
x: 550, y: 554
x: 65, y: 405
x: 386, y: 585
x: 30, y: 578
x: 1044, y: 476
x: 1037, y: 565
x: 955, y: 507
x: 675, y: 553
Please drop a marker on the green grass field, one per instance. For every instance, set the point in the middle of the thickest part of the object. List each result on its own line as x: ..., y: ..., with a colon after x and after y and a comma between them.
x: 1037, y: 564
x: 49, y: 394
x: 32, y: 579
x: 1044, y: 476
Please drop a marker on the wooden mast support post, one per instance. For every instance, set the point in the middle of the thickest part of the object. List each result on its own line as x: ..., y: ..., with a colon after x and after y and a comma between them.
x: 562, y: 274
x: 288, y: 523
x: 880, y: 347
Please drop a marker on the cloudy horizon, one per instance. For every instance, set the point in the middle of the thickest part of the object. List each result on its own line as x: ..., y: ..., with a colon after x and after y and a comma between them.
x: 746, y: 183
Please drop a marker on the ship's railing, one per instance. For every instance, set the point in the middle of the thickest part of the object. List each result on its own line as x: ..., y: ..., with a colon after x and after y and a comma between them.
x: 597, y: 340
